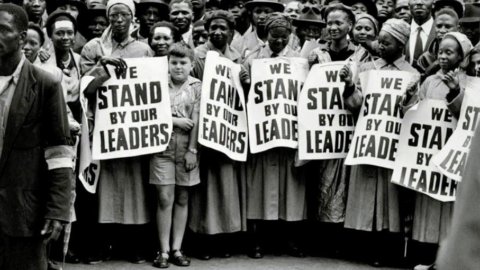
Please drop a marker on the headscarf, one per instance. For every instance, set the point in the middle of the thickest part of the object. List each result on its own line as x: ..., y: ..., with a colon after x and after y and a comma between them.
x: 465, y: 45
x: 370, y: 18
x: 398, y: 28
x: 129, y: 3
x: 277, y: 19
x: 106, y: 38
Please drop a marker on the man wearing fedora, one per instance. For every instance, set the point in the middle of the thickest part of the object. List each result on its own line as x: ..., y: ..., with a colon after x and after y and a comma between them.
x: 310, y: 23
x: 148, y: 13
x: 470, y: 23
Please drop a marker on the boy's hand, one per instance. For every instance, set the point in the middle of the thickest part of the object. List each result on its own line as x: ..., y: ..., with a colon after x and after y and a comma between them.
x: 190, y: 161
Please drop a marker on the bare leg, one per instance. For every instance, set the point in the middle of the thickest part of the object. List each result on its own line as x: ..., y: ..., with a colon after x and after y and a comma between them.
x: 180, y: 214
x: 164, y: 215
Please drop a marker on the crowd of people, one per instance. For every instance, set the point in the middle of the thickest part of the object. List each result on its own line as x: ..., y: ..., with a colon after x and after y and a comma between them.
x: 145, y: 205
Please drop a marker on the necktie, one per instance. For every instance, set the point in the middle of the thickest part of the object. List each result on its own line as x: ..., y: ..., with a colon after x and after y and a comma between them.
x: 418, y: 45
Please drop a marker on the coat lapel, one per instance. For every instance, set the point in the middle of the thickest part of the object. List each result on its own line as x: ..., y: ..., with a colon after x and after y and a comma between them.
x: 22, y: 100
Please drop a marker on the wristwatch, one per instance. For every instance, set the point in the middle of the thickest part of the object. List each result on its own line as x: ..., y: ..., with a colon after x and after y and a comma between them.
x: 193, y: 150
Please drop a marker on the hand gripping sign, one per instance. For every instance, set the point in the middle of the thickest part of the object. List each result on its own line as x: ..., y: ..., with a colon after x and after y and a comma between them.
x: 425, y: 130
x: 451, y: 160
x: 133, y: 115
x: 272, y: 102
x: 223, y: 116
x: 375, y: 140
x: 325, y: 126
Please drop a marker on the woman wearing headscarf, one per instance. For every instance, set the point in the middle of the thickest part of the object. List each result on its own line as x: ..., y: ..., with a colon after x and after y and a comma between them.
x: 340, y: 21
x: 373, y: 201
x: 432, y: 218
x: 275, y: 188
x: 121, y: 188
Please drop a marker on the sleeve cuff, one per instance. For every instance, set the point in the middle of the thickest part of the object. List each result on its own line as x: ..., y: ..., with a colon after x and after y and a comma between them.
x: 60, y: 157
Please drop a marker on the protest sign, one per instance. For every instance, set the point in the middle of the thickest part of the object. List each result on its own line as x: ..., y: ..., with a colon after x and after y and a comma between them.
x: 133, y: 115
x: 223, y: 116
x: 272, y: 102
x: 325, y: 126
x: 375, y: 140
x: 425, y: 131
x: 451, y: 160
x: 89, y: 169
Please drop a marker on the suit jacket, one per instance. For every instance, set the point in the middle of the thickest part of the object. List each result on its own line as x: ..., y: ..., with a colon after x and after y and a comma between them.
x: 29, y: 192
x: 431, y: 38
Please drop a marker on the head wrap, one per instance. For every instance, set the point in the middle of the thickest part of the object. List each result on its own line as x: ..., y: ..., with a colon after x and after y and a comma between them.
x: 52, y: 18
x: 368, y: 17
x: 128, y: 3
x: 220, y: 14
x: 465, y: 45
x: 398, y: 28
x: 277, y: 19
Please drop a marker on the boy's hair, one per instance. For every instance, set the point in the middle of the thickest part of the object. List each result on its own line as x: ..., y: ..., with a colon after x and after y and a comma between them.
x: 37, y: 29
x: 181, y: 50
x: 447, y: 11
x: 20, y: 17
x: 189, y: 3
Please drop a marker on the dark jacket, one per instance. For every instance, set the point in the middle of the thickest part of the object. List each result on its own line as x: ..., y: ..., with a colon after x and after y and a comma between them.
x: 29, y: 192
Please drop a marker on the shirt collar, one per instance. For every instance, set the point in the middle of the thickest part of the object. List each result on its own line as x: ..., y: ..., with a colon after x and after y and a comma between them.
x: 18, y: 70
x: 426, y: 27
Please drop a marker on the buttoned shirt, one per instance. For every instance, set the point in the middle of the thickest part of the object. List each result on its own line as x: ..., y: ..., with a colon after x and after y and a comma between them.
x: 426, y: 28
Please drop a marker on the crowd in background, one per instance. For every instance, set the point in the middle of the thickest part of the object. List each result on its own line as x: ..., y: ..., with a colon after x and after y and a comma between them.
x: 145, y: 205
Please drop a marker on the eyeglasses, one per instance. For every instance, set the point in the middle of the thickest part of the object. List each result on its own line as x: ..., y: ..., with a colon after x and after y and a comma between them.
x: 116, y: 16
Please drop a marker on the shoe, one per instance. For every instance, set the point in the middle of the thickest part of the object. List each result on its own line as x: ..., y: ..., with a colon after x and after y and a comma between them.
x: 256, y: 253
x: 161, y: 261
x: 179, y: 259
x: 295, y: 251
x: 137, y: 259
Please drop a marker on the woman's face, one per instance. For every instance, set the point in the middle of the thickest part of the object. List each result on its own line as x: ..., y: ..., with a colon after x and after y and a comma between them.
x: 278, y: 38
x: 449, y: 55
x: 338, y: 25
x: 179, y: 68
x: 359, y: 8
x: 162, y: 39
x: 475, y: 61
x: 32, y: 45
x: 363, y: 31
x: 97, y: 26
x: 120, y: 19
x: 388, y: 46
x: 63, y: 35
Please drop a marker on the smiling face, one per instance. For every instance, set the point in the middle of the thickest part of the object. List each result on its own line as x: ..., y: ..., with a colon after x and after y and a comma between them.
x: 363, y: 31
x: 449, y: 54
x: 161, y: 41
x: 63, y: 35
x: 338, y: 25
x: 181, y: 16
x: 219, y: 33
x: 179, y: 68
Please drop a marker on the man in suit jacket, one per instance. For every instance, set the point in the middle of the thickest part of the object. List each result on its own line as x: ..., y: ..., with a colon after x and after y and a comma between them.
x: 35, y: 157
x: 422, y: 30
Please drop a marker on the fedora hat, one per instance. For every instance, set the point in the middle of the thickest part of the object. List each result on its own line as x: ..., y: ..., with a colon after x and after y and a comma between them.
x: 274, y: 4
x: 457, y: 5
x: 309, y: 14
x: 472, y: 13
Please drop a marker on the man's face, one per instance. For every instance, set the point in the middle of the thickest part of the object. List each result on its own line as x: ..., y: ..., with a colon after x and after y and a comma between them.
x: 199, y: 35
x: 11, y: 40
x: 402, y: 11
x: 259, y: 15
x: 238, y: 10
x: 219, y: 33
x: 293, y: 9
x: 120, y: 19
x: 444, y: 24
x: 471, y: 30
x: 149, y: 16
x: 181, y: 16
x: 34, y: 8
x: 420, y: 9
x: 198, y: 4
x: 385, y: 8
x: 97, y: 25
